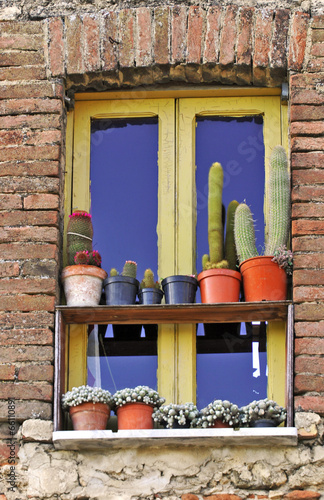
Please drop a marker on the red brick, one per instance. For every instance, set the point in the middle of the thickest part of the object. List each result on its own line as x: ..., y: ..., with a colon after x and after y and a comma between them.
x: 279, y: 39
x: 306, y: 193
x: 10, y: 90
x: 244, y: 46
x: 318, y: 21
x: 297, y: 42
x: 20, y: 73
x: 25, y: 153
x: 28, y: 251
x: 300, y: 227
x: 31, y: 121
x: 222, y: 496
x: 308, y: 277
x: 309, y: 345
x: 127, y: 38
x: 301, y: 112
x: 10, y: 201
x: 41, y: 201
x: 42, y: 319
x: 36, y: 372
x: 309, y: 383
x: 25, y: 302
x: 30, y: 169
x: 310, y: 329
x: 8, y: 450
x: 91, y: 42
x: 306, y: 128
x: 228, y: 36
x: 307, y: 160
x: 307, y: 143
x: 26, y: 391
x: 30, y: 184
x: 74, y: 59
x: 161, y: 35
x: 317, y: 50
x: 8, y: 269
x: 195, y: 34
x: 302, y: 495
x: 309, y: 312
x: 313, y: 176
x: 308, y: 244
x: 35, y: 267
x: 39, y: 336
x: 305, y: 80
x: 309, y: 261
x: 179, y: 33
x: 29, y: 353
x: 28, y: 409
x: 263, y: 31
x: 310, y: 403
x: 110, y: 36
x: 56, y: 46
x: 306, y: 96
x: 144, y: 37
x: 307, y: 210
x: 11, y: 137
x: 23, y: 58
x: 20, y: 106
x: 43, y: 137
x: 30, y: 218
x: 7, y: 372
x: 18, y: 41
x: 21, y: 27
x: 316, y: 65
x: 211, y: 49
x: 309, y: 364
x: 25, y: 285
x: 189, y: 496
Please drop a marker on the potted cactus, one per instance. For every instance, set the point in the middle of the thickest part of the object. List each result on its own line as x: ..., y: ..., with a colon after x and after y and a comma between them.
x: 262, y: 413
x: 219, y: 281
x: 263, y: 278
x: 83, y: 278
x: 150, y: 293
x: 176, y: 416
x: 219, y: 413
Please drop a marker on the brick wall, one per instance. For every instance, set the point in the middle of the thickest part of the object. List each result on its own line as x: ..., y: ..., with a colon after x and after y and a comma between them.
x: 129, y: 48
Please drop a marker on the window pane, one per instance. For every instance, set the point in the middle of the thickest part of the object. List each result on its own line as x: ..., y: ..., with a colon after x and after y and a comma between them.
x: 226, y: 362
x: 124, y: 208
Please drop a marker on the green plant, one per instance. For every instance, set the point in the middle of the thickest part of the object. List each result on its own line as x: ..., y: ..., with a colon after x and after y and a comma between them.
x: 217, y: 258
x: 284, y: 258
x: 85, y: 394
x: 184, y: 415
x: 139, y: 394
x: 219, y: 409
x: 279, y: 212
x: 129, y: 269
x: 262, y: 409
x: 113, y: 272
x: 79, y: 234
x: 148, y: 280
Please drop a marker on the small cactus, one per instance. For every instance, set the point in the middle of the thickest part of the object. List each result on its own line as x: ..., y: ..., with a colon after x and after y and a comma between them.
x: 129, y: 269
x: 82, y: 257
x: 113, y: 272
x: 95, y: 258
x: 148, y: 280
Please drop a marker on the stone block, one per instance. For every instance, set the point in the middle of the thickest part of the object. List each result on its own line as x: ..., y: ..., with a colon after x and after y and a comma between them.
x: 37, y: 430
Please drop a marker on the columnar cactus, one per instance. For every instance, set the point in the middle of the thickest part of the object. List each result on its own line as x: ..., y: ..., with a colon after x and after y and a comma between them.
x: 79, y: 234
x: 279, y: 202
x: 244, y: 233
x: 216, y: 258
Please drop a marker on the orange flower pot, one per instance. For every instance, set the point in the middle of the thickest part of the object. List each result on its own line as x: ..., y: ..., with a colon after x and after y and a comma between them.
x: 219, y: 285
x: 219, y: 424
x: 263, y: 279
x: 135, y: 416
x: 89, y: 416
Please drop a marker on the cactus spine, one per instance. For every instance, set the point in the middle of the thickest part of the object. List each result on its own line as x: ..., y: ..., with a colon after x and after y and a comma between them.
x: 244, y: 233
x: 79, y: 234
x: 216, y: 258
x: 148, y: 280
x: 279, y: 194
x: 129, y: 269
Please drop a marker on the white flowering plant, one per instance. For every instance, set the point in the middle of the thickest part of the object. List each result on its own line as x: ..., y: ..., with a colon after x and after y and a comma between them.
x: 85, y: 394
x: 139, y: 394
x: 284, y: 258
x: 184, y: 415
x: 262, y: 409
x: 219, y: 409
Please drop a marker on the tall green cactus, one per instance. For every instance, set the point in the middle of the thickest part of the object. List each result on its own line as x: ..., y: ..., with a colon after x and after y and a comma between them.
x: 79, y: 234
x: 216, y: 258
x: 279, y: 201
x: 244, y: 233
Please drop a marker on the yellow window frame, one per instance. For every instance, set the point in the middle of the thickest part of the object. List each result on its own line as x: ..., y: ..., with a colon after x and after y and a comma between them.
x: 176, y: 230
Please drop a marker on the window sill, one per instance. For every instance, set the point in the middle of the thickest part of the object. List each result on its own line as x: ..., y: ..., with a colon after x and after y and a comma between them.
x: 83, y: 440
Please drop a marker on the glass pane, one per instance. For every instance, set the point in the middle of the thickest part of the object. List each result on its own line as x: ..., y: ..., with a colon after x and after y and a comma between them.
x: 124, y: 208
x: 226, y: 362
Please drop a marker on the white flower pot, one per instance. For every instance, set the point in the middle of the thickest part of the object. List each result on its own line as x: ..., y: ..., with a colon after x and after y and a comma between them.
x: 83, y: 284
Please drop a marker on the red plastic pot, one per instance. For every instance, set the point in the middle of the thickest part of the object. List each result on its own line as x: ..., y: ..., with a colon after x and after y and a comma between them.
x: 135, y: 416
x: 89, y: 416
x: 219, y: 285
x: 263, y: 279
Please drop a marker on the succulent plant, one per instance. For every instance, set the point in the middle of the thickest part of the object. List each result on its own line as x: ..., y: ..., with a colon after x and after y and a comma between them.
x: 139, y: 394
x: 113, y: 272
x: 279, y: 212
x: 219, y: 409
x: 216, y: 257
x: 184, y: 415
x: 129, y: 269
x: 85, y: 394
x: 148, y: 280
x: 284, y: 258
x: 79, y: 234
x: 82, y: 257
x: 262, y: 409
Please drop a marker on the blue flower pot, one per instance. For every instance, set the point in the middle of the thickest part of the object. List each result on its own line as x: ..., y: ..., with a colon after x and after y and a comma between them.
x: 179, y: 289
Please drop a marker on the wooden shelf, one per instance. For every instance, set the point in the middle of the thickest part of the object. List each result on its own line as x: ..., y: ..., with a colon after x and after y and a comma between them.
x: 178, y: 314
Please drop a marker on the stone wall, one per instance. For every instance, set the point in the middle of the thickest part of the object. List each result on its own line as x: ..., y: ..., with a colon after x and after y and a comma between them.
x: 46, y: 53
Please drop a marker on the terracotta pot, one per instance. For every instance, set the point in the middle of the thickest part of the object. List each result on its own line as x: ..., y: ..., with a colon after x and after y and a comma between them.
x: 135, y: 416
x: 263, y: 279
x: 83, y: 284
x: 219, y: 424
x: 219, y: 285
x: 89, y: 416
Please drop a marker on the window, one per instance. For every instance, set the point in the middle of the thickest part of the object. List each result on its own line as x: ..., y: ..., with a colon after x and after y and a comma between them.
x: 181, y: 128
